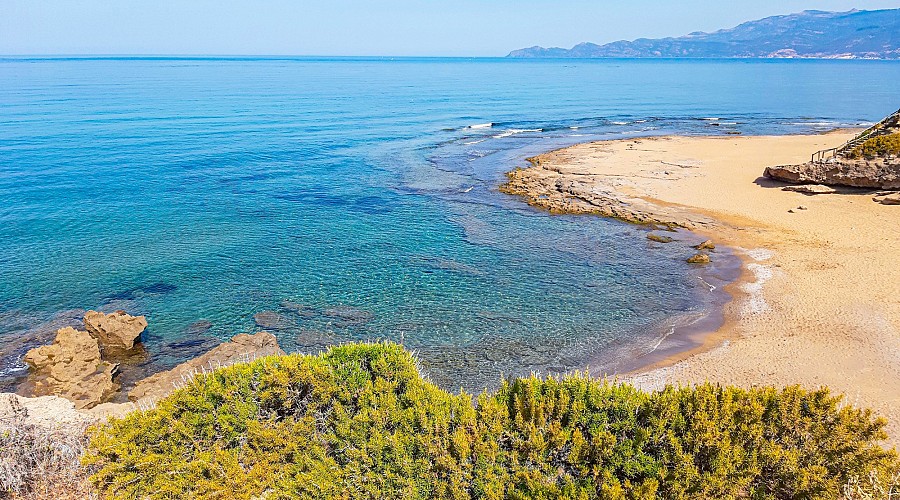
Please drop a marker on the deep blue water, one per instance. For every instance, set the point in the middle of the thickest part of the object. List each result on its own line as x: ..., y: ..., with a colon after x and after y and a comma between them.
x: 203, y: 191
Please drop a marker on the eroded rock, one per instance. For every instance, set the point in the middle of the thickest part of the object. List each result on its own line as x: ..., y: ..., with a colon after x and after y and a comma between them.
x: 117, y: 330
x: 706, y: 245
x: 241, y: 348
x: 810, y: 189
x: 72, y: 368
x: 891, y: 199
x: 872, y: 174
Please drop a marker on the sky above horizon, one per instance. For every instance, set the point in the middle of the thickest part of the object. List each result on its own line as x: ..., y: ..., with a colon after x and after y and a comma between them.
x: 357, y: 28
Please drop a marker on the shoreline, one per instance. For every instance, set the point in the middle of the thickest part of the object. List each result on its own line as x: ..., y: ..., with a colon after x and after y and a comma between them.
x: 816, y: 300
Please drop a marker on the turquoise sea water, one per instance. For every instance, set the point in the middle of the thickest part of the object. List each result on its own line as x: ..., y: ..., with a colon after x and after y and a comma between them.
x: 354, y: 199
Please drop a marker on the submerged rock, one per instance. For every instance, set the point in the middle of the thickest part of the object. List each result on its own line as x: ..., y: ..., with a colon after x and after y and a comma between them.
x: 241, y: 348
x: 198, y: 327
x: 117, y: 330
x: 302, y: 310
x: 348, y: 315
x: 272, y: 320
x: 72, y: 368
x: 700, y: 258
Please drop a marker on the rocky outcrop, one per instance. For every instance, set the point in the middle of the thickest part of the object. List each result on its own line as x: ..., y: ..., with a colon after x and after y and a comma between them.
x: 49, y: 412
x: 872, y: 174
x: 241, y: 348
x: 117, y: 330
x: 72, y: 368
x: 706, y: 245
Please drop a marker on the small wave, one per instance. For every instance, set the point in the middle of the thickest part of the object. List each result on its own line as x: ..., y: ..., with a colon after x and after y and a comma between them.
x: 481, y: 125
x: 574, y: 127
x: 711, y: 119
x: 470, y: 143
x: 624, y: 123
x: 514, y: 131
x: 816, y: 124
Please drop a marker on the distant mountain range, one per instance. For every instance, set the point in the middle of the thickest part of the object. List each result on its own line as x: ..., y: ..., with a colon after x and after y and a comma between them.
x: 857, y: 34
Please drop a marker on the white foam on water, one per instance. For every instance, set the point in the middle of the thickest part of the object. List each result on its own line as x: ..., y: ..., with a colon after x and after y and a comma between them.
x: 514, y: 131
x: 756, y: 303
x: 760, y: 254
x: 481, y: 125
x: 620, y: 123
x: 470, y: 143
x: 711, y: 119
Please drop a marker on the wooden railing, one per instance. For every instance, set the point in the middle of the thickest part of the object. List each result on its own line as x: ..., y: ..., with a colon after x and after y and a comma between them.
x: 873, y: 131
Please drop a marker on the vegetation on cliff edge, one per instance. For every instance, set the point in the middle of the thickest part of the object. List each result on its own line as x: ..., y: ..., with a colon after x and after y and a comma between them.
x: 359, y: 421
x: 878, y: 147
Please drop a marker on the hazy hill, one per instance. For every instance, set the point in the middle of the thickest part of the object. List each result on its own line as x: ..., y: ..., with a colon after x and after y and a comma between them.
x: 857, y: 34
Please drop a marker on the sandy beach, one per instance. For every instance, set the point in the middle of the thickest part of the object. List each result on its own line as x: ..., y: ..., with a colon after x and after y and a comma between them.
x: 818, y: 302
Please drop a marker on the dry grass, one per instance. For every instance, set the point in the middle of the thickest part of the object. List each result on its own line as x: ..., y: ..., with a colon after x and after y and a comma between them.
x: 38, y: 462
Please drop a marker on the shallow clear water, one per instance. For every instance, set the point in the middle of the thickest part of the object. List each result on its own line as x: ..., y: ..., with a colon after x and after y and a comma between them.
x: 203, y: 191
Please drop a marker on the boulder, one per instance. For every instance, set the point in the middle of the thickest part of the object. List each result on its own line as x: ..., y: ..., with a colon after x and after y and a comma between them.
x: 116, y: 330
x: 240, y: 349
x: 700, y: 258
x: 72, y: 368
x: 706, y: 245
x: 810, y: 189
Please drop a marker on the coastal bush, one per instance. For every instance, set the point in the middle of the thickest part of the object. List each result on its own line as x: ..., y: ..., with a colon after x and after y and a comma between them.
x: 359, y: 421
x: 878, y: 147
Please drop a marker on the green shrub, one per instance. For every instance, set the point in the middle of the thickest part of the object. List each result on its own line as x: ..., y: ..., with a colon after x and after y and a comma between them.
x: 360, y: 422
x: 878, y: 147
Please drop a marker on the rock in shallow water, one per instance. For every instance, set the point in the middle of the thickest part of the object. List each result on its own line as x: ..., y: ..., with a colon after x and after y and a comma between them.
x: 658, y: 238
x: 117, y: 330
x: 700, y: 258
x: 72, y: 368
x: 348, y: 315
x: 272, y: 320
x: 240, y: 348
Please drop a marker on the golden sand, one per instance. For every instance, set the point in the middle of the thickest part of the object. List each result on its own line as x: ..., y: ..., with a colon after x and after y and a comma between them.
x: 819, y: 300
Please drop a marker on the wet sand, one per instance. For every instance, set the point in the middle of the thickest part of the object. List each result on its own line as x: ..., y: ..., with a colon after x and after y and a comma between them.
x: 818, y: 300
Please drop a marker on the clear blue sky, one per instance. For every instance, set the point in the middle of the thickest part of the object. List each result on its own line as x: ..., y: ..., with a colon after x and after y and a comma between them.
x: 359, y: 27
